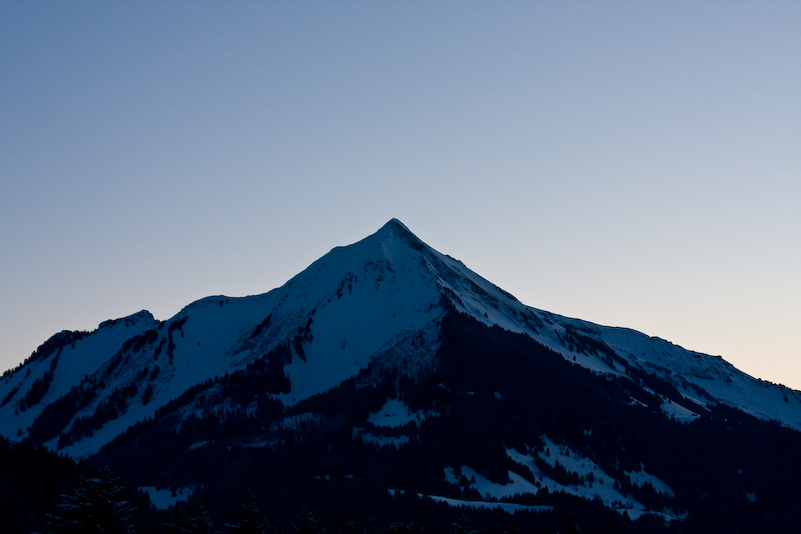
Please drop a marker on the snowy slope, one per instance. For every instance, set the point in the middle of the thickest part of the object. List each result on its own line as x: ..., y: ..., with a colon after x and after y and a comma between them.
x: 697, y: 376
x: 354, y: 304
x: 379, y: 300
x: 700, y: 377
x: 73, y: 356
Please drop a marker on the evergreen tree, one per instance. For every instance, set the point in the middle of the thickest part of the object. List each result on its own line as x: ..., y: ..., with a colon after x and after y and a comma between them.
x: 360, y: 526
x: 462, y: 526
x: 190, y: 518
x: 570, y: 526
x: 307, y: 523
x: 252, y: 521
x: 95, y: 506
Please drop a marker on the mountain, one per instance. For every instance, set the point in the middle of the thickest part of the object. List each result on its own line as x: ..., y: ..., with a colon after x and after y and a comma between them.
x: 390, y: 370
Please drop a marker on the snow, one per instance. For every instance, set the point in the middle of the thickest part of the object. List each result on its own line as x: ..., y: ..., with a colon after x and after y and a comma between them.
x: 163, y: 498
x: 602, y: 485
x: 358, y: 303
x: 678, y: 412
x: 394, y: 414
x: 638, y: 478
x: 517, y: 485
x: 509, y: 508
x: 75, y: 361
x: 384, y: 299
x: 687, y: 370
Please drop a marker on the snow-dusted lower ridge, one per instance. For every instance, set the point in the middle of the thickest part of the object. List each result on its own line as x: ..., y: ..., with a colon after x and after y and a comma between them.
x: 378, y: 302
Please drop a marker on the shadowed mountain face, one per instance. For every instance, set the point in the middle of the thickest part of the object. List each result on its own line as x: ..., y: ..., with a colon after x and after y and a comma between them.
x: 387, y: 370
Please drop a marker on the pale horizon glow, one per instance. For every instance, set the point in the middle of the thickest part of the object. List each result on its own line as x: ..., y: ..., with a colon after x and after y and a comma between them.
x: 629, y: 164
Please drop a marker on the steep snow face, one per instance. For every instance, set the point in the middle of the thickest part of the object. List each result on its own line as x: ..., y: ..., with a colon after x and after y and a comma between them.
x: 355, y: 304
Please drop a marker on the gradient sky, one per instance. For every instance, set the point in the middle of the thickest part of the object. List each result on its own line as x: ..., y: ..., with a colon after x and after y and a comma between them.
x: 629, y: 163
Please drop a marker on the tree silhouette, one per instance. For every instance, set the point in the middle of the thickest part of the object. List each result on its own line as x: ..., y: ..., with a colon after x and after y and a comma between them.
x: 190, y: 518
x: 95, y: 505
x: 307, y: 523
x: 252, y: 521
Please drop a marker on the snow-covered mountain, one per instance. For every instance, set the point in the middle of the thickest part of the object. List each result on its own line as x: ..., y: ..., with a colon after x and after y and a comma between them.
x: 389, y: 371
x: 357, y: 305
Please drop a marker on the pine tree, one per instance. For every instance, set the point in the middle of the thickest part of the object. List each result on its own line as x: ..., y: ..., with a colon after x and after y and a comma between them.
x: 462, y: 526
x: 190, y: 518
x: 252, y: 521
x: 307, y: 523
x: 570, y: 526
x: 95, y: 506
x: 361, y: 526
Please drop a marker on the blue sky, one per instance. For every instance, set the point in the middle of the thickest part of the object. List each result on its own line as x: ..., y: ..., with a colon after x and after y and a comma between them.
x: 629, y: 163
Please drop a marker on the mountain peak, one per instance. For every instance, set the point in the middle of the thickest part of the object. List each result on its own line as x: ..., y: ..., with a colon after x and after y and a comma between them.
x: 394, y: 224
x: 395, y: 229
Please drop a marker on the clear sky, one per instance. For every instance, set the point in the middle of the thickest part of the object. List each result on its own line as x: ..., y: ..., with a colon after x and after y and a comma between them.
x: 629, y: 163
